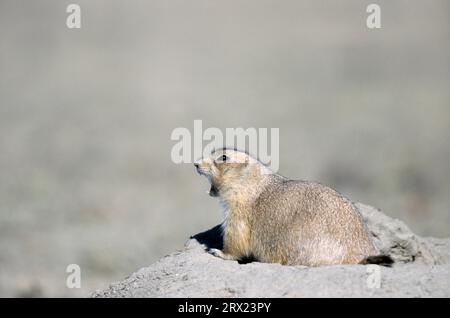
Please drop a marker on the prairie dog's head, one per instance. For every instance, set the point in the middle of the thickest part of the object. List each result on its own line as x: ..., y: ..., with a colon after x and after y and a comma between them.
x: 228, y: 169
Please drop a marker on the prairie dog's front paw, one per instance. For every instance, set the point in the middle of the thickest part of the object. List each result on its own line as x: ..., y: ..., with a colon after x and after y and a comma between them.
x: 216, y: 252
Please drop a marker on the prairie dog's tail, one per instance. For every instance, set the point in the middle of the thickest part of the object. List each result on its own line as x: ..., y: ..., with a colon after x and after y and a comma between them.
x: 383, y: 260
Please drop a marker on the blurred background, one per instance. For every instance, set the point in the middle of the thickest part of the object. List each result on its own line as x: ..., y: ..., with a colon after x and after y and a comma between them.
x: 86, y: 115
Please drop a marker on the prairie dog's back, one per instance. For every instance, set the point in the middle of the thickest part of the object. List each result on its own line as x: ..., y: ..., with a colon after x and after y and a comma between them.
x: 309, y: 220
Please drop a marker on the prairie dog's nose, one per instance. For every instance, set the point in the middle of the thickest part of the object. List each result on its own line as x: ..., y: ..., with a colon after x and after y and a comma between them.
x: 197, y: 163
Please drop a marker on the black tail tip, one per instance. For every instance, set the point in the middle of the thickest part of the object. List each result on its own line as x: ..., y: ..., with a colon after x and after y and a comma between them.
x: 383, y: 260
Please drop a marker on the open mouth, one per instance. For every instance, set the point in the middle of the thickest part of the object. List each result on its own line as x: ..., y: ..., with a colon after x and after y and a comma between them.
x: 213, y: 190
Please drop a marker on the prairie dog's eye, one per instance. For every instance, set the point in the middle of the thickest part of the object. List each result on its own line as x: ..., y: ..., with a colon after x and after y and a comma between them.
x: 223, y: 158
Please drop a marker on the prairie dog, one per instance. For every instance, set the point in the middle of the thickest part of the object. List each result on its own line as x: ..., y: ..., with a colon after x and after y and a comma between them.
x: 277, y: 220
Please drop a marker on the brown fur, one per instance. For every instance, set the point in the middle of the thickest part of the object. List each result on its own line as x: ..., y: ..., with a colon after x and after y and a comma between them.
x: 277, y: 220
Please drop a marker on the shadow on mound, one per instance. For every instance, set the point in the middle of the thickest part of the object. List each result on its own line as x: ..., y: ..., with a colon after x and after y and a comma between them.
x: 213, y: 238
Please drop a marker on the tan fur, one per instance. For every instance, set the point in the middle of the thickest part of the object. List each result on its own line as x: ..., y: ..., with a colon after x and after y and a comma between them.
x: 277, y: 220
